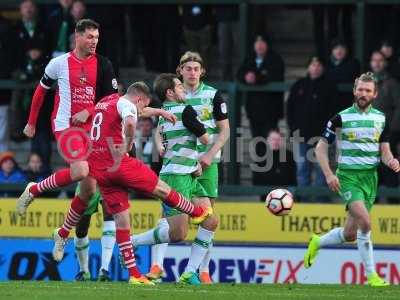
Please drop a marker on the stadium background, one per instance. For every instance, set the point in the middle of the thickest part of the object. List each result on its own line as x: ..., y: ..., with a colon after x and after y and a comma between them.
x: 267, y: 248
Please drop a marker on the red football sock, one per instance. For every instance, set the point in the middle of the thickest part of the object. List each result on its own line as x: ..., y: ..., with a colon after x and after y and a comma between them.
x: 58, y: 179
x: 75, y: 212
x: 123, y: 238
x: 176, y: 200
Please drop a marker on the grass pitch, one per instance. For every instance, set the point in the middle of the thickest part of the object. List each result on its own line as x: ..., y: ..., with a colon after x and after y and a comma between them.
x: 17, y: 290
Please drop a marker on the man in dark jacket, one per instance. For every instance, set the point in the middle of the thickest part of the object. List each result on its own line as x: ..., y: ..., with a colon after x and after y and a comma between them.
x: 341, y: 68
x: 311, y: 102
x: 278, y: 168
x: 264, y: 109
x: 387, y: 101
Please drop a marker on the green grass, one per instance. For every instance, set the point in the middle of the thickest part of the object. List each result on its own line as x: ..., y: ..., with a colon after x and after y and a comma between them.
x: 16, y: 290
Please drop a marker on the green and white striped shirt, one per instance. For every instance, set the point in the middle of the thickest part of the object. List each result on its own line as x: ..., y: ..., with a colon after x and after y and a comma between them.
x: 361, y: 135
x: 180, y: 141
x: 210, y: 107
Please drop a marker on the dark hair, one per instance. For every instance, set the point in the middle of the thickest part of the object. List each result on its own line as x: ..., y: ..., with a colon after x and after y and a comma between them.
x: 380, y: 53
x: 163, y: 83
x: 84, y: 24
x: 315, y: 58
x: 139, y: 87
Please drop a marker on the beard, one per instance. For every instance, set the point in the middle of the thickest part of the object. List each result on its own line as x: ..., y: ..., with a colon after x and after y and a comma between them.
x: 363, y: 102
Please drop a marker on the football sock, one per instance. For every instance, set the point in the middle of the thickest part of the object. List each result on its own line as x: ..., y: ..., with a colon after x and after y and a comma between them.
x: 204, y: 266
x: 333, y: 237
x: 126, y: 250
x: 58, y: 179
x: 199, y: 249
x: 157, y: 235
x: 178, y: 201
x: 82, y: 252
x: 107, y: 243
x: 158, y: 250
x: 75, y: 212
x: 364, y: 245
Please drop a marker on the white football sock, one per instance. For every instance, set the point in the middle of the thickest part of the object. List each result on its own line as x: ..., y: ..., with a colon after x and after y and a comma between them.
x: 82, y: 252
x: 204, y: 266
x: 158, y: 235
x: 158, y: 253
x: 199, y: 249
x: 333, y: 237
x: 107, y: 243
x: 364, y: 245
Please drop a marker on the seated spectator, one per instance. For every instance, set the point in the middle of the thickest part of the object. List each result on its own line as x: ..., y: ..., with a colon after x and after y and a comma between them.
x: 278, y: 168
x: 388, y: 101
x: 341, y: 68
x: 35, y: 171
x: 312, y: 101
x: 393, y: 65
x: 263, y: 109
x: 10, y: 173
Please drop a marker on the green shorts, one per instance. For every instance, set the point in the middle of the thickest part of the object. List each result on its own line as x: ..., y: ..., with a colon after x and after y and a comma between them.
x: 356, y: 185
x: 209, y: 181
x: 187, y: 185
x: 93, y: 202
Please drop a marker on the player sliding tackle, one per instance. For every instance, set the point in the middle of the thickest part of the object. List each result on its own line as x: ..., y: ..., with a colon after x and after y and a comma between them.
x: 180, y: 170
x: 112, y: 135
x: 364, y: 140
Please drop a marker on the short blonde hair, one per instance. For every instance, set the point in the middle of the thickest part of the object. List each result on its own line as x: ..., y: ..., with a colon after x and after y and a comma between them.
x: 190, y: 56
x: 366, y: 77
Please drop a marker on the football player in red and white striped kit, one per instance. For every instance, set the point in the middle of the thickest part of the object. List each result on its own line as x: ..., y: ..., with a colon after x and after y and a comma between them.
x: 83, y: 78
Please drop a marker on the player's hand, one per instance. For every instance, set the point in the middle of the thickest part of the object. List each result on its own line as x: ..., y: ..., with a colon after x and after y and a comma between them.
x: 205, y: 161
x: 80, y: 117
x: 394, y: 165
x: 333, y: 183
x: 29, y: 131
x: 198, y: 172
x: 169, y: 116
x: 161, y: 150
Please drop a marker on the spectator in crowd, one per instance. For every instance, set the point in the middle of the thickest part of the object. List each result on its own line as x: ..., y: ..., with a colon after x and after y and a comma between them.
x: 61, y: 27
x: 10, y: 173
x: 6, y: 66
x: 263, y: 109
x: 78, y: 11
x: 393, y: 66
x: 341, y: 68
x: 144, y: 140
x: 388, y: 101
x: 323, y: 36
x: 227, y: 19
x: 35, y: 171
x: 312, y: 101
x: 278, y: 168
x: 31, y: 51
x: 197, y: 29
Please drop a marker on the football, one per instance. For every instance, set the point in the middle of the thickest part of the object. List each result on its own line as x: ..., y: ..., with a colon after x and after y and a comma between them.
x: 279, y: 202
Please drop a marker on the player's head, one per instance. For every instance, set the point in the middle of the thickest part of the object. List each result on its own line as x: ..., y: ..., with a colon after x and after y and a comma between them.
x: 86, y: 36
x: 365, y: 90
x: 191, y: 68
x: 378, y: 62
x: 139, y: 93
x: 167, y: 86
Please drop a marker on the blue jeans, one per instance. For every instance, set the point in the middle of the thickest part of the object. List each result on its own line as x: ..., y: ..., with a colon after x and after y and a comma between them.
x: 305, y: 167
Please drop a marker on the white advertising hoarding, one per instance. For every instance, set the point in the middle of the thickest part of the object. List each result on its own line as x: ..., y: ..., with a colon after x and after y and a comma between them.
x: 272, y: 264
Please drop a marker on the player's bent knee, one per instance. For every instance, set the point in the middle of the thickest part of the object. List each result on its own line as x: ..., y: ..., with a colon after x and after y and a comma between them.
x: 79, y: 171
x: 177, y: 234
x: 350, y: 236
x: 162, y: 189
x: 211, y: 223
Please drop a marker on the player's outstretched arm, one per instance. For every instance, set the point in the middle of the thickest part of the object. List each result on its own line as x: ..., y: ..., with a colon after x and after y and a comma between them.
x: 387, y: 157
x: 148, y: 112
x: 321, y: 152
